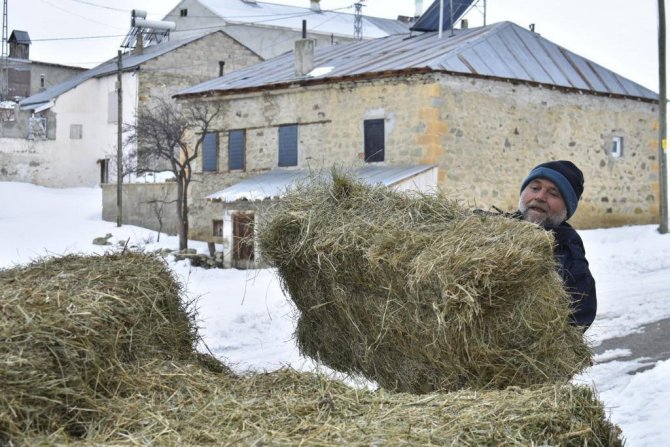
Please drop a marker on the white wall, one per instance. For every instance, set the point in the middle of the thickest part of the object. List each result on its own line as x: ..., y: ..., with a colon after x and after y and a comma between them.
x: 66, y: 162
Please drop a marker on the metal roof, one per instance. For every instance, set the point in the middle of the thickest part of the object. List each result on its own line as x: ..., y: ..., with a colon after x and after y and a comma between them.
x: 285, y: 16
x: 129, y: 61
x: 430, y: 20
x: 20, y: 37
x: 277, y: 182
x: 502, y: 50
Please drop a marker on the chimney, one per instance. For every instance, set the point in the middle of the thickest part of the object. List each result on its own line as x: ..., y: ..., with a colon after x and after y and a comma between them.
x: 464, y: 24
x: 304, y: 56
x: 315, y: 5
x: 304, y: 53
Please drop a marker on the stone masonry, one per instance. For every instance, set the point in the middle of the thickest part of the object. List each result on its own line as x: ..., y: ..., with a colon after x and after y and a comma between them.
x: 485, y: 135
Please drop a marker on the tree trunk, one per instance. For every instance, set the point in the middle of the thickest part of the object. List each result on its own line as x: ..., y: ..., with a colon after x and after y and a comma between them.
x: 183, y: 225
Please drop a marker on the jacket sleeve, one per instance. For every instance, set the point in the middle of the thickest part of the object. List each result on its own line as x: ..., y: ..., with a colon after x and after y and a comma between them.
x: 580, y: 283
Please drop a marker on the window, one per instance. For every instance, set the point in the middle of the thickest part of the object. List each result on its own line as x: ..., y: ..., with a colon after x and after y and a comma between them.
x: 210, y: 152
x: 616, y: 149
x: 373, y: 140
x: 41, y: 81
x: 217, y: 228
x: 183, y: 12
x: 288, y: 145
x: 112, y: 108
x: 236, y: 149
x: 104, y: 170
x: 76, y: 131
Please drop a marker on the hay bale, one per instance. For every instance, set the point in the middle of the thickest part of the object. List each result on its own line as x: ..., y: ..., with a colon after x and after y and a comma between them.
x: 418, y: 293
x: 186, y: 405
x: 74, y: 327
x: 100, y: 351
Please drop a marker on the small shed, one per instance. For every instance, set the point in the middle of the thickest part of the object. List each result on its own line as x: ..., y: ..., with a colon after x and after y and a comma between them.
x: 19, y: 45
x: 243, y: 202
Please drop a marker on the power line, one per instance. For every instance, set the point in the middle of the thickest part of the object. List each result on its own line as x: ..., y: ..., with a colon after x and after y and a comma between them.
x: 78, y: 15
x: 101, y: 6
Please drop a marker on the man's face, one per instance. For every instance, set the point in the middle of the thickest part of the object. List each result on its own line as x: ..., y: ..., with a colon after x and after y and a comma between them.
x: 541, y: 203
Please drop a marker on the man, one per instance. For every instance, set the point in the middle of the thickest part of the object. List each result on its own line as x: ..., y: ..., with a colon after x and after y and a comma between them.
x: 549, y: 197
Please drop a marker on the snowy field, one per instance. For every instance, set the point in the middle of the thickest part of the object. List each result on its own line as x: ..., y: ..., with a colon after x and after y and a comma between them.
x: 248, y: 323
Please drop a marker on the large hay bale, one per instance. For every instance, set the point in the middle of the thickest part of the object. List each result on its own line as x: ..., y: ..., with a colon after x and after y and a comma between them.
x: 418, y: 293
x: 184, y: 405
x: 100, y: 351
x: 72, y: 329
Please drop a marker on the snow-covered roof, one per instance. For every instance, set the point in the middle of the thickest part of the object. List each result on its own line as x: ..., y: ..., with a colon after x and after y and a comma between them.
x: 277, y: 182
x: 338, y: 22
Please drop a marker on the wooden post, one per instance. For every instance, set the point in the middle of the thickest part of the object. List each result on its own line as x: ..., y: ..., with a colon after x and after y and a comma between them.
x: 119, y: 143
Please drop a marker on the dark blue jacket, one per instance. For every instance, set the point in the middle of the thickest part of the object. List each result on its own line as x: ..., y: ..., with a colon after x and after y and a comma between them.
x: 574, y: 268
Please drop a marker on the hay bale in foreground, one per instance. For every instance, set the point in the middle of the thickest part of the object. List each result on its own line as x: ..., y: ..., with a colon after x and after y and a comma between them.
x: 73, y: 328
x: 418, y: 293
x: 99, y: 351
x: 189, y: 406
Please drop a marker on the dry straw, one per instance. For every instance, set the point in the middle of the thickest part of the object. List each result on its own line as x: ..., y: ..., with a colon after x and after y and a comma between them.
x: 100, y: 351
x: 418, y: 293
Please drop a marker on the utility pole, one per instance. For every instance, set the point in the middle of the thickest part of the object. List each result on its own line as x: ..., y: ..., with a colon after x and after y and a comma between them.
x: 4, y: 68
x: 119, y: 143
x: 662, y: 127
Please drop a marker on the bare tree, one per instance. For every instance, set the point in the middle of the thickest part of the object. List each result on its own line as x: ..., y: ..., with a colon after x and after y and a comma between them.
x: 162, y: 133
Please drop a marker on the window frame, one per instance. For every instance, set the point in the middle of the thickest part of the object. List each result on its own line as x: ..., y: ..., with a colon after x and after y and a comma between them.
x: 616, y: 146
x: 205, y: 167
x: 294, y: 146
x: 370, y: 125
x: 243, y: 150
x: 76, y: 131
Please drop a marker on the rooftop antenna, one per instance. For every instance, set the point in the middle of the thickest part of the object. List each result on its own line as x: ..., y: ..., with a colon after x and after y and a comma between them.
x: 358, y: 21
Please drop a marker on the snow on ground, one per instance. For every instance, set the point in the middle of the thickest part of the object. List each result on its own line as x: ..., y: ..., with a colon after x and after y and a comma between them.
x: 247, y: 322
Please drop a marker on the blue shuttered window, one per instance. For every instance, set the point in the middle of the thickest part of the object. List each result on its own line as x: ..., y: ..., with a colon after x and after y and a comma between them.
x: 288, y: 145
x: 210, y: 152
x: 373, y: 136
x: 236, y: 149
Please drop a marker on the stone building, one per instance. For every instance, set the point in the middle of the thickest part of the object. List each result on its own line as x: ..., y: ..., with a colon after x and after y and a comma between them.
x: 66, y: 136
x: 484, y: 106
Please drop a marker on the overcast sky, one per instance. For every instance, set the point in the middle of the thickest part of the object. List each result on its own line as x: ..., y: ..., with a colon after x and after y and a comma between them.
x: 618, y: 34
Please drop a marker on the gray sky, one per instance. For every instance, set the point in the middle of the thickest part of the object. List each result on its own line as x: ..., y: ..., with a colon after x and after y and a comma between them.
x: 618, y: 34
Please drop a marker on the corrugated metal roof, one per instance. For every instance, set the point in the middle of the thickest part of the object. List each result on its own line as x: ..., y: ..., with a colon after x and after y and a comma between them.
x: 20, y: 37
x: 277, y: 182
x: 502, y: 50
x: 430, y: 20
x: 285, y: 16
x: 128, y: 62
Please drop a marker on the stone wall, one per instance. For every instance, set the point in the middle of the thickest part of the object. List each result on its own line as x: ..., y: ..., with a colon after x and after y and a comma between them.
x: 191, y: 64
x: 484, y: 135
x: 141, y: 202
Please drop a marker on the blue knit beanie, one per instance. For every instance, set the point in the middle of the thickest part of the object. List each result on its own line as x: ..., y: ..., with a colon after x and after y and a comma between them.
x: 566, y: 176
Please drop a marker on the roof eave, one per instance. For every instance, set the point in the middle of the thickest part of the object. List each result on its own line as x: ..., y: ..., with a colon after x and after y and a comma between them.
x: 305, y: 82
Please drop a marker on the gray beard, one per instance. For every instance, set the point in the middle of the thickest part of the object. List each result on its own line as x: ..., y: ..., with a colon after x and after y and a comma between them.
x: 547, y: 222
